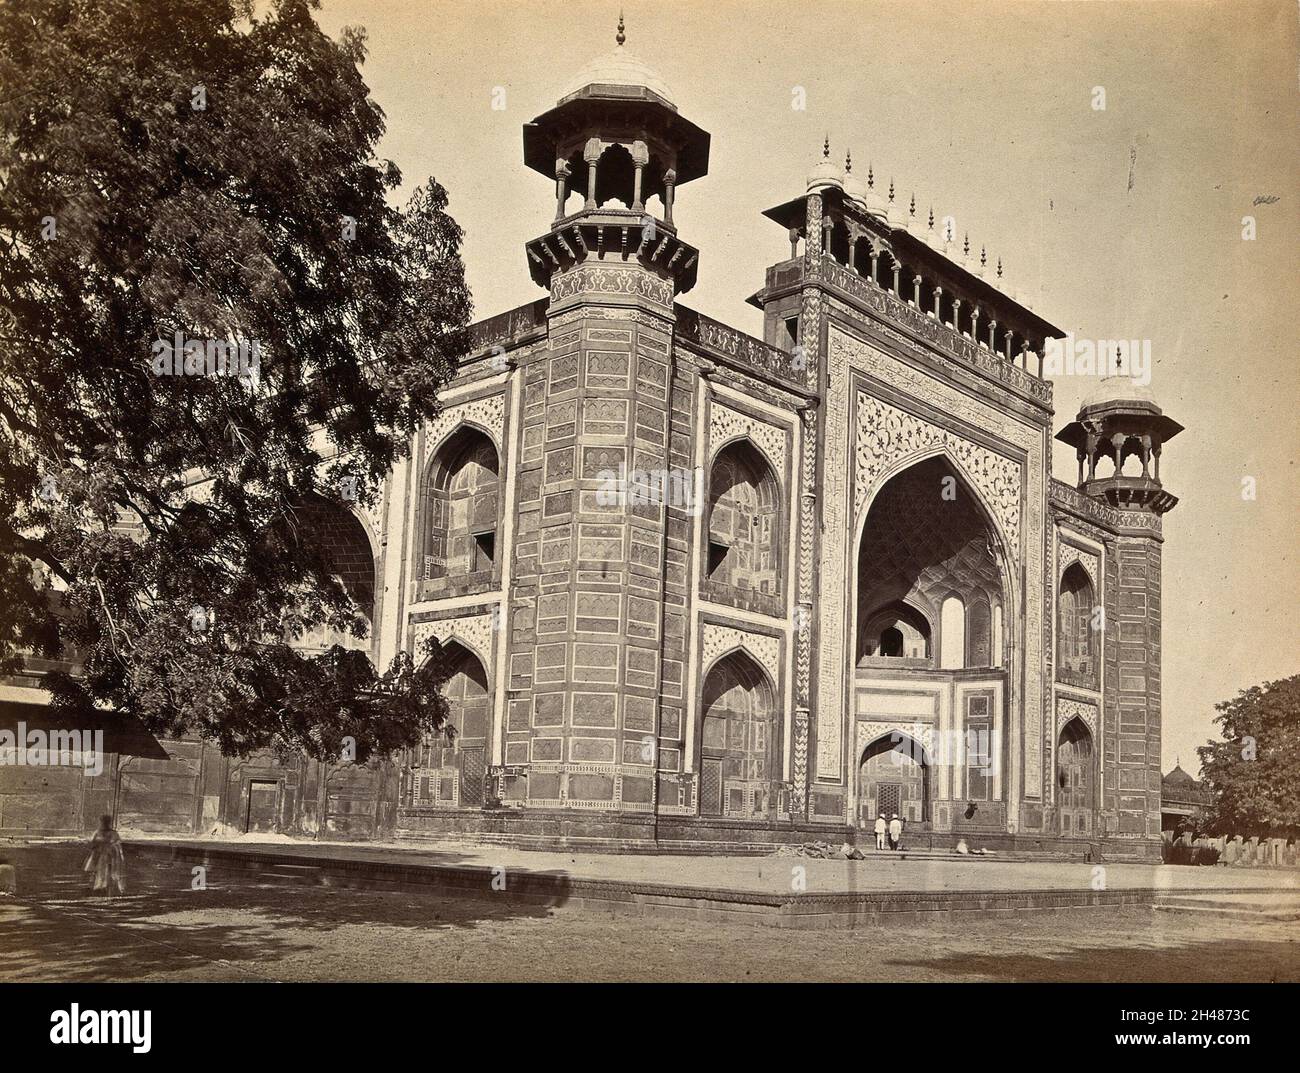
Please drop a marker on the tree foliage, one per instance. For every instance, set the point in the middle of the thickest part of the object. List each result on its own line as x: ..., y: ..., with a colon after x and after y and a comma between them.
x: 195, y: 169
x: 1254, y: 773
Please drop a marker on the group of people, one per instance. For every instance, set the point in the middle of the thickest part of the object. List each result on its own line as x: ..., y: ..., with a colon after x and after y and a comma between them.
x: 893, y: 830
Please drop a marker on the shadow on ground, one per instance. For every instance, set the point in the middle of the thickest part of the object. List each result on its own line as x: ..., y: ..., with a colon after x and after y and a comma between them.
x: 162, y: 923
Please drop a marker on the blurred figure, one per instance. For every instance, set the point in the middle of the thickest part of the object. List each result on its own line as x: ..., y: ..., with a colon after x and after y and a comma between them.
x: 895, y: 831
x: 8, y: 878
x: 106, y: 863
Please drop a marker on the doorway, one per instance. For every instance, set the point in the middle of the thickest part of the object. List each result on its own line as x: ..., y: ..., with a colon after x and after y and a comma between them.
x: 263, y: 805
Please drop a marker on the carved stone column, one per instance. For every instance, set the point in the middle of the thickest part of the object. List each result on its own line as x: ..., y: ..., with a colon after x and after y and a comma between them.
x: 640, y: 158
x: 562, y: 173
x: 591, y: 154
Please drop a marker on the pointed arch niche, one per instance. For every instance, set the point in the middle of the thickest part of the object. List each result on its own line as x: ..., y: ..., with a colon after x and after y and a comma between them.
x: 930, y: 573
x: 460, y: 514
x: 739, y: 740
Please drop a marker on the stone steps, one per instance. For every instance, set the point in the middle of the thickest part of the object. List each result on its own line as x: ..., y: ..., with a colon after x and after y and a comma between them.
x: 301, y: 875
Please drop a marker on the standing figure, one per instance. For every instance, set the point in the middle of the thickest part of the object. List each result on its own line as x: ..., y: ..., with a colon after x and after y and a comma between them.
x: 895, y: 831
x: 880, y: 831
x: 106, y: 863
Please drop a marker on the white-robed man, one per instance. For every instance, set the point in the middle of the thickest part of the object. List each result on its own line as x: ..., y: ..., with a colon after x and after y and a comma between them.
x: 895, y: 831
x: 880, y: 831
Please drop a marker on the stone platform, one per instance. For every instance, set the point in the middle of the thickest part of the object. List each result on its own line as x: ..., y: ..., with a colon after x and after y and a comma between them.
x: 779, y: 891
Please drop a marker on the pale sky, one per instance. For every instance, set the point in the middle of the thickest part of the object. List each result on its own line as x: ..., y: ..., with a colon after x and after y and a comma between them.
x: 1122, y: 223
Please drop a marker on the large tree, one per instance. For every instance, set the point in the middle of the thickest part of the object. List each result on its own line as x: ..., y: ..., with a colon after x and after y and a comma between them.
x: 200, y: 170
x: 1254, y: 773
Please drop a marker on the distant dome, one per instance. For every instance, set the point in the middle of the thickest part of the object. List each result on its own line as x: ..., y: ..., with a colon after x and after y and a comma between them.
x: 619, y: 68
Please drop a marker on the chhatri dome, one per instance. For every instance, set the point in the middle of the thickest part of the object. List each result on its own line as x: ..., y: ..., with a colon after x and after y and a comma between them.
x: 1116, y: 390
x: 825, y: 173
x: 621, y: 67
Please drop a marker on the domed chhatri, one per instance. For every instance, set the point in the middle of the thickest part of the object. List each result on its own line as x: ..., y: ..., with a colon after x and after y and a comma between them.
x: 1119, y: 420
x: 617, y: 69
x: 616, y: 141
x: 825, y: 173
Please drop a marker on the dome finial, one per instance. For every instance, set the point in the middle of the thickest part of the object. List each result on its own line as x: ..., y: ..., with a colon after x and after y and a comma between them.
x: 848, y: 161
x: 871, y: 178
x: 999, y: 266
x: 620, y: 37
x: 826, y: 147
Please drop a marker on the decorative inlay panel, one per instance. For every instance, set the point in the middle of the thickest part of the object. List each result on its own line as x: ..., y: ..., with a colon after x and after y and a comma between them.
x: 488, y: 413
x: 475, y: 631
x: 1068, y: 708
x: 886, y: 434
x: 833, y: 581
x: 766, y: 649
x: 1030, y: 542
x: 726, y: 424
x: 635, y: 283
x: 869, y: 731
x: 1068, y: 553
x: 800, y: 759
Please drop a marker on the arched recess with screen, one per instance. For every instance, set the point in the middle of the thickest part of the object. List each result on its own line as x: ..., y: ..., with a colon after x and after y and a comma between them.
x: 449, y: 770
x: 738, y: 740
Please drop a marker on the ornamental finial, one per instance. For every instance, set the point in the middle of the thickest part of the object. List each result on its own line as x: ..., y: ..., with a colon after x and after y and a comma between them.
x: 621, y: 36
x: 999, y: 266
x: 912, y: 211
x: 871, y: 178
x: 931, y: 217
x: 848, y: 161
x: 984, y: 258
x: 826, y: 147
x: 965, y: 246
x: 891, y: 190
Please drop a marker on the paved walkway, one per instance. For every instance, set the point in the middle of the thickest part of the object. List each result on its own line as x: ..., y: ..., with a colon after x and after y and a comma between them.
x: 775, y: 875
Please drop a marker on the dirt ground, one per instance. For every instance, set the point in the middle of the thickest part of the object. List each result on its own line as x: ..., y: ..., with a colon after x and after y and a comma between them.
x: 162, y: 930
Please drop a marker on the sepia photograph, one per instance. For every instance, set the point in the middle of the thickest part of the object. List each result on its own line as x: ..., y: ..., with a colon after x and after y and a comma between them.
x: 683, y: 492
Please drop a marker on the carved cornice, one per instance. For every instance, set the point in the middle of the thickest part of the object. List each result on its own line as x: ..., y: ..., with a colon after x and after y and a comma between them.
x: 889, y: 307
x: 1112, y: 519
x: 738, y: 350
